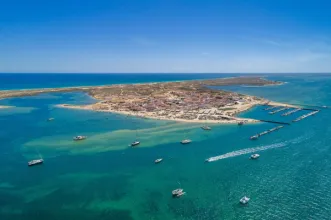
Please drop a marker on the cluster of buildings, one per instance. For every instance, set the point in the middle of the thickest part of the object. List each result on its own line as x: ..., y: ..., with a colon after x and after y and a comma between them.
x: 176, y: 103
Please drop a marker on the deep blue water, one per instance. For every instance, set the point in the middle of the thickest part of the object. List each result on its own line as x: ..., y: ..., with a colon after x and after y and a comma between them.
x: 28, y: 81
x: 101, y: 178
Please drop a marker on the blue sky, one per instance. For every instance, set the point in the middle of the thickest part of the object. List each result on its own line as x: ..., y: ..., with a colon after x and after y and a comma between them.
x: 202, y: 36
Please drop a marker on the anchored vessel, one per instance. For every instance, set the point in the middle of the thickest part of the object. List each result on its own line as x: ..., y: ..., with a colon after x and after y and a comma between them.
x: 207, y: 128
x: 186, y: 141
x: 177, y: 193
x: 255, y: 156
x: 240, y: 123
x: 244, y: 200
x: 79, y: 138
x: 135, y: 143
x: 158, y: 160
x: 35, y: 162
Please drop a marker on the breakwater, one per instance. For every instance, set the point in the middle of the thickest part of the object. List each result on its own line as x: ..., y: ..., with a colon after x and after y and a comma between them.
x: 254, y: 137
x: 278, y: 110
x: 291, y: 112
x: 305, y: 116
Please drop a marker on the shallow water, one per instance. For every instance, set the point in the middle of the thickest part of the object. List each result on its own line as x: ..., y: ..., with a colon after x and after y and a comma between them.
x: 102, y: 178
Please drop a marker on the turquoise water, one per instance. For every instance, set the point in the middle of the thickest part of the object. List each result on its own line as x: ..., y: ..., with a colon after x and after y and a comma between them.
x: 102, y: 178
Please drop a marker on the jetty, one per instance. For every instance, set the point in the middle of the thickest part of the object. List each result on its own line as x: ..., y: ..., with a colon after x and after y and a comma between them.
x: 278, y: 110
x: 305, y: 116
x: 274, y: 122
x: 270, y: 108
x: 254, y: 137
x: 292, y: 111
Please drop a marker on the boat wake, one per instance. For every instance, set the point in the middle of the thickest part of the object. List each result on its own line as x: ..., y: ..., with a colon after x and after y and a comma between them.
x: 256, y: 149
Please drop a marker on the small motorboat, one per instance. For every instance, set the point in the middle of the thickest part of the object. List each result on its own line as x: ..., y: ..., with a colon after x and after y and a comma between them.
x: 135, y: 143
x: 177, y: 193
x: 79, y: 138
x: 50, y: 119
x: 186, y: 141
x: 254, y: 156
x: 206, y: 128
x: 244, y: 200
x: 158, y: 160
x: 255, y: 137
x: 35, y: 162
x: 241, y: 123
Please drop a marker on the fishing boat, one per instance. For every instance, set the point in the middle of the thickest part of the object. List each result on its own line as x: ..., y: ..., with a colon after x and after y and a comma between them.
x: 244, y: 200
x: 35, y: 162
x: 254, y: 156
x: 186, y: 141
x: 79, y: 138
x: 158, y: 160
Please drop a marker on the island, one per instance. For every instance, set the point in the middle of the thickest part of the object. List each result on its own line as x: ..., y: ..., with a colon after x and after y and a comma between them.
x: 188, y: 101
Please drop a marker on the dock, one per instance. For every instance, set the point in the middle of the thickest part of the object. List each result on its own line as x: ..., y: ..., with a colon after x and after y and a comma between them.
x: 274, y: 122
x: 292, y: 111
x: 271, y: 107
x: 254, y: 137
x: 305, y: 116
x: 278, y: 110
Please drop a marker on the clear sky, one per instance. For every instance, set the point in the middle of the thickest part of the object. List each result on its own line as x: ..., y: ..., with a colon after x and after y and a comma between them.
x: 165, y: 36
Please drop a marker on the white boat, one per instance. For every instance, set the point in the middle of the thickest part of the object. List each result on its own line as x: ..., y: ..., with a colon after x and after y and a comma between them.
x: 79, y: 138
x: 186, y: 141
x: 135, y: 143
x: 207, y: 128
x: 50, y: 119
x: 255, y: 156
x: 35, y: 162
x: 177, y: 192
x: 158, y: 160
x: 244, y: 200
x: 255, y: 137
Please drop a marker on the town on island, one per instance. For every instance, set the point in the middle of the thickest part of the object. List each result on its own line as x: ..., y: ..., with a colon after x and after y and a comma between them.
x: 186, y: 101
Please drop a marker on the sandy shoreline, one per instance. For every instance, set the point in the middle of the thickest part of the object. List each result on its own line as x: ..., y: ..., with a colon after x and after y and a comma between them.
x: 232, y: 120
x: 5, y: 106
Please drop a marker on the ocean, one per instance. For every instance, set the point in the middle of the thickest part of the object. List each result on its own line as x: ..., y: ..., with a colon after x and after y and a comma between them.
x: 103, y: 178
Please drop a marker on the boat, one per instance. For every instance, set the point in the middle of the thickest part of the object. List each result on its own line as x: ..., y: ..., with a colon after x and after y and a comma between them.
x: 35, y: 162
x: 186, y: 141
x: 79, y: 138
x: 50, y: 119
x: 135, y: 143
x: 255, y: 137
x: 240, y: 123
x: 255, y: 156
x: 207, y: 128
x: 177, y: 193
x: 244, y: 200
x: 158, y: 160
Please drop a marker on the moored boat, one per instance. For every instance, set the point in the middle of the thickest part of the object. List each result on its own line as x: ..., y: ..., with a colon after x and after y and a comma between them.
x: 244, y: 200
x: 254, y: 156
x: 241, y: 123
x: 35, y: 162
x: 207, y: 128
x: 79, y: 138
x: 158, y: 160
x: 135, y: 143
x: 177, y: 193
x: 186, y: 141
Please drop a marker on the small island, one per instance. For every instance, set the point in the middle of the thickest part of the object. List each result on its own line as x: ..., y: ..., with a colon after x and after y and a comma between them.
x: 187, y: 101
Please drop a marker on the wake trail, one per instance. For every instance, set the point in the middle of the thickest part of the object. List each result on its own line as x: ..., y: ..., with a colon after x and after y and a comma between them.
x: 256, y: 149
